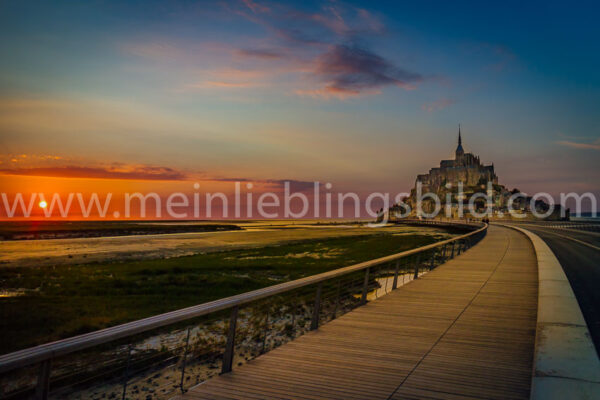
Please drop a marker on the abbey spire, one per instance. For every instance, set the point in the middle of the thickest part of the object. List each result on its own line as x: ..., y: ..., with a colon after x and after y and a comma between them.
x: 459, y: 149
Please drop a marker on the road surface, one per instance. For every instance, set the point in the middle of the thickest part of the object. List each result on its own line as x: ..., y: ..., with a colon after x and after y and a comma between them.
x: 578, y: 251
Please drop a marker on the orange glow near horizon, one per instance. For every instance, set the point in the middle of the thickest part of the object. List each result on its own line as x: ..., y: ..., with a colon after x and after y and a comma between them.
x: 40, y: 192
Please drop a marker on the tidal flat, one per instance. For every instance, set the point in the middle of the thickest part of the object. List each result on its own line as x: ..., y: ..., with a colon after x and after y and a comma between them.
x: 112, y: 280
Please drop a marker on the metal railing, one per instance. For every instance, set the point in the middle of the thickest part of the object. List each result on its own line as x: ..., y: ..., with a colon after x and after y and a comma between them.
x: 168, y: 353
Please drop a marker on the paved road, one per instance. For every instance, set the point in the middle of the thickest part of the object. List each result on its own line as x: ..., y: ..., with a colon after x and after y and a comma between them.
x: 581, y: 264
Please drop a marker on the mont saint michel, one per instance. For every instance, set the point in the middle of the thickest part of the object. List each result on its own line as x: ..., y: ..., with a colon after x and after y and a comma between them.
x: 466, y: 168
x: 456, y: 181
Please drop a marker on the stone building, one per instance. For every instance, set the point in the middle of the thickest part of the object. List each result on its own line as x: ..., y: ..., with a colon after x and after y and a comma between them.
x: 466, y: 168
x: 476, y: 179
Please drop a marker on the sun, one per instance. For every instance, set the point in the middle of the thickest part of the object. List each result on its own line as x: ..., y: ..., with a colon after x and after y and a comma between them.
x: 43, y: 204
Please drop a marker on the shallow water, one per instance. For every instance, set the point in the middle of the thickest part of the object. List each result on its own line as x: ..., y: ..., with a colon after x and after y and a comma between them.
x: 118, y: 248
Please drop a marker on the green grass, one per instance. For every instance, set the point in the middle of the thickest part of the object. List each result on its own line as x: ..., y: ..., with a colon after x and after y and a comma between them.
x: 70, y: 300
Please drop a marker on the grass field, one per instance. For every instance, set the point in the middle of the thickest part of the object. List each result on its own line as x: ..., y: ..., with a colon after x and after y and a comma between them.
x: 60, y: 301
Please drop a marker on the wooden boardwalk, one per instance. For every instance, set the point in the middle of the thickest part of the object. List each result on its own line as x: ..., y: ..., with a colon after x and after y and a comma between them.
x: 463, y: 331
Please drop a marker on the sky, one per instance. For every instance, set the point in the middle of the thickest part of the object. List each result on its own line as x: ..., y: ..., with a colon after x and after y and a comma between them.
x: 364, y: 95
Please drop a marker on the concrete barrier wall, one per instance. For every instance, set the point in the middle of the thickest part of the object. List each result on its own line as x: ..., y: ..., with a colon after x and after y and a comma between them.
x: 566, y: 365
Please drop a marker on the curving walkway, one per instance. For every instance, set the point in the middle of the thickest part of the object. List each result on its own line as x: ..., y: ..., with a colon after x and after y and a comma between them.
x: 463, y: 331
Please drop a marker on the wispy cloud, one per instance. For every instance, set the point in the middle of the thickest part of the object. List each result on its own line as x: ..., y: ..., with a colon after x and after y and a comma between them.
x: 334, y: 20
x: 504, y: 56
x: 579, y: 145
x: 438, y: 105
x: 277, y: 184
x: 232, y: 78
x: 496, y: 57
x: 266, y: 54
x: 332, y: 93
x: 123, y: 171
x: 222, y: 84
x: 256, y: 7
x: 19, y: 159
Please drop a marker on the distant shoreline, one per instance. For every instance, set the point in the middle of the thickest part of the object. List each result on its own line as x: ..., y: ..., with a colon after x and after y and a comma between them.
x: 40, y: 230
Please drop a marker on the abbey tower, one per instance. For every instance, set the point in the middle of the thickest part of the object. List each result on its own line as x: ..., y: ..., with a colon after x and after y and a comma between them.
x: 466, y: 168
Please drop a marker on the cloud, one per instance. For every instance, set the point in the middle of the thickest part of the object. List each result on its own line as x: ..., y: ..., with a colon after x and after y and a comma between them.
x: 299, y: 36
x: 122, y: 171
x: 28, y: 158
x: 438, y: 105
x: 222, y: 84
x: 332, y: 22
x: 234, y: 78
x: 260, y: 53
x: 351, y: 70
x: 372, y: 23
x: 295, y: 185
x: 308, y: 53
x: 496, y: 57
x: 578, y: 145
x: 504, y: 57
x: 255, y: 7
x: 328, y: 93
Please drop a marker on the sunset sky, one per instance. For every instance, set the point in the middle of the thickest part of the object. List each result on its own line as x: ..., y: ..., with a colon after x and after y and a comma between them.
x: 365, y: 95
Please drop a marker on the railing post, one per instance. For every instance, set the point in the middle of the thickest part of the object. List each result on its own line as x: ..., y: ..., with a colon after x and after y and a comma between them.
x: 337, y: 299
x: 395, y: 284
x: 444, y: 252
x: 314, y: 323
x: 432, y: 261
x: 126, y: 373
x: 230, y: 346
x: 185, y: 352
x: 452, y: 254
x: 418, y: 260
x: 294, y: 309
x: 363, y: 298
x: 298, y: 308
x: 43, y: 383
x: 264, y: 343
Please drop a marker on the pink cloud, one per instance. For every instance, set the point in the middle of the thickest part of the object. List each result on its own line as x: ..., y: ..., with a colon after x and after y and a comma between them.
x: 577, y: 145
x: 232, y: 78
x: 119, y: 171
x: 438, y: 105
x: 221, y: 84
x: 255, y: 7
x: 373, y: 23
x: 265, y: 54
x: 332, y: 21
x: 331, y: 92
